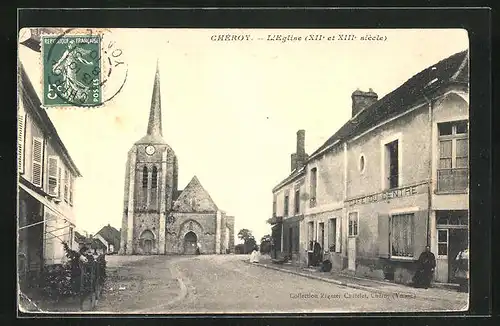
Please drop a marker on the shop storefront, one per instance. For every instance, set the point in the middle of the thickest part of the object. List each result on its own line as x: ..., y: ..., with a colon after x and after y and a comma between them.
x: 452, y: 236
x: 387, y: 232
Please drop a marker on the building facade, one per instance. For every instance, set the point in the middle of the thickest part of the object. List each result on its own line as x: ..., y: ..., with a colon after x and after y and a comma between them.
x: 289, y: 198
x: 158, y: 218
x: 394, y: 179
x: 46, y: 185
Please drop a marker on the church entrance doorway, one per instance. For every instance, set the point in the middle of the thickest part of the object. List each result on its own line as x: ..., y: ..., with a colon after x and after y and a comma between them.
x: 146, y: 242
x: 190, y: 243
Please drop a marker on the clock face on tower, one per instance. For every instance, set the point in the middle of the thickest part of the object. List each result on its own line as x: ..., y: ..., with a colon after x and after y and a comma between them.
x: 150, y: 150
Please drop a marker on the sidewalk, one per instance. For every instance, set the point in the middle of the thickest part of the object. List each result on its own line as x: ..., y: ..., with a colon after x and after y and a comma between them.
x: 377, y: 286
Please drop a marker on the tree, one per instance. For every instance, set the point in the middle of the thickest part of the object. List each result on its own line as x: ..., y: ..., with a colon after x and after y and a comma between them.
x: 265, y: 244
x: 249, y: 242
x: 245, y: 234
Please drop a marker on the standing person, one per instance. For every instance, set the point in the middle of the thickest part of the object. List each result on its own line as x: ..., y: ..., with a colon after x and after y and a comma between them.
x: 425, y: 269
x: 462, y: 269
x: 198, y: 248
x: 316, y: 253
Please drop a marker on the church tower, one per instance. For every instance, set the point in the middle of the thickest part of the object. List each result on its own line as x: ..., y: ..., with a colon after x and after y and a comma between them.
x: 150, y: 186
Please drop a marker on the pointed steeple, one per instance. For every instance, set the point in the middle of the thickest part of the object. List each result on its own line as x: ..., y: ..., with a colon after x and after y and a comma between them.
x: 154, y: 123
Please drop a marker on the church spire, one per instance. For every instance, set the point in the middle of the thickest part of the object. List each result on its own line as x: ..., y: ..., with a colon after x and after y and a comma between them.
x: 154, y: 123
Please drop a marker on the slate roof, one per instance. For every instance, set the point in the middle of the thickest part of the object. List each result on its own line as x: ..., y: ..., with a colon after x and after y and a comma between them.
x: 297, y: 173
x: 449, y: 70
x: 454, y: 69
x: 111, y: 235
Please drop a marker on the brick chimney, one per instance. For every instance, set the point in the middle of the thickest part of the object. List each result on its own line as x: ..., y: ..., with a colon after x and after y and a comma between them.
x: 299, y: 157
x: 361, y: 100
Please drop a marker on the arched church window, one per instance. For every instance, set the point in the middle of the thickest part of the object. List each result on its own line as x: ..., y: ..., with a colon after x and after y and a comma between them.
x: 154, y: 177
x: 154, y: 185
x: 144, y: 192
x: 145, y: 177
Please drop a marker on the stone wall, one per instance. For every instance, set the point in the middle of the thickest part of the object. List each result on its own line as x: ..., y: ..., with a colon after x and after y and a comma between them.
x: 203, y: 225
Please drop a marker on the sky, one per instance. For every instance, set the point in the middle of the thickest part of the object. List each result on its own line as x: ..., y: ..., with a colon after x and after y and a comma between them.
x: 231, y: 109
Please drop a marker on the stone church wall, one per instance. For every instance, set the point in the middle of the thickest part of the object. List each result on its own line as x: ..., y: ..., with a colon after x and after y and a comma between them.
x: 203, y: 227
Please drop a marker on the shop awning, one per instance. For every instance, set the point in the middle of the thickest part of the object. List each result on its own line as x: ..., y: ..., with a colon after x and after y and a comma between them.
x: 44, y: 201
x: 293, y: 219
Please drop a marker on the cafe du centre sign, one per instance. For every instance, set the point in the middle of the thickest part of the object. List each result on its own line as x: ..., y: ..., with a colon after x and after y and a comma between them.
x: 386, y: 195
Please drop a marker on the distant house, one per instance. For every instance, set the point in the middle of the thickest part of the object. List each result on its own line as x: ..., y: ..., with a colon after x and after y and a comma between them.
x: 98, y: 245
x: 80, y: 239
x: 110, y: 237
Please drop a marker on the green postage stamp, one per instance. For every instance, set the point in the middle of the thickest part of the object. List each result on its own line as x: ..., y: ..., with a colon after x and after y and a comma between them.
x: 72, y: 70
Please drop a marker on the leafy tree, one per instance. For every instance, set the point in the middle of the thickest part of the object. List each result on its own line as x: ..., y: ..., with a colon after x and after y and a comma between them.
x: 265, y: 244
x: 245, y: 234
x: 249, y: 242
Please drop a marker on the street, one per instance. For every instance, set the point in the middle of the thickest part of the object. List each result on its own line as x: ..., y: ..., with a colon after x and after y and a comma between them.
x: 227, y: 284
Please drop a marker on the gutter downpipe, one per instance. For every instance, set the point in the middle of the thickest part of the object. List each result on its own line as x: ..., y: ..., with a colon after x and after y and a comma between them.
x: 429, y: 186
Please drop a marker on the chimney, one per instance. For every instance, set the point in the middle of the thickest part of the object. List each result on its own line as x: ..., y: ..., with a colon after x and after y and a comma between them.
x: 301, y: 152
x: 361, y: 100
x: 301, y: 135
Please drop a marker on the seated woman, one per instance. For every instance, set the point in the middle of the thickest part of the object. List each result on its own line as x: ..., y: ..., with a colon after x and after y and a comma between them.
x: 254, y: 256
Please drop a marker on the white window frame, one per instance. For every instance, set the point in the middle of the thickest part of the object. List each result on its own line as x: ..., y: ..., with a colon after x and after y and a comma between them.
x: 438, y: 242
x: 384, y: 182
x: 325, y: 235
x: 453, y: 137
x: 313, y: 200
x: 42, y: 150
x: 355, y: 234
x: 336, y: 221
x: 398, y: 212
x: 296, y: 201
x: 49, y: 176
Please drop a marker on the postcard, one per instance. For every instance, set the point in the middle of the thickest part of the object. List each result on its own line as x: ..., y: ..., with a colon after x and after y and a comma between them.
x: 167, y: 171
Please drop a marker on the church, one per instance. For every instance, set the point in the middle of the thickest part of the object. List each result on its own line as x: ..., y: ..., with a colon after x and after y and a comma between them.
x: 158, y: 218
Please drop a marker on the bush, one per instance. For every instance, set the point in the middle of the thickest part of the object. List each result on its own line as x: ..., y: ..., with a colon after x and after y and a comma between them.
x: 63, y: 280
x: 239, y: 249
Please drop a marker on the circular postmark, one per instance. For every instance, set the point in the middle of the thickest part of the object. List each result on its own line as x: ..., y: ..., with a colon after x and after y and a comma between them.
x: 82, y: 68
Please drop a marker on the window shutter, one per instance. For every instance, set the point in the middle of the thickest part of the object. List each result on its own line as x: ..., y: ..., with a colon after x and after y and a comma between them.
x: 49, y: 238
x: 71, y: 183
x: 59, y: 176
x: 53, y: 170
x: 383, y: 235
x: 37, y: 159
x: 419, y: 232
x: 66, y: 184
x: 20, y: 142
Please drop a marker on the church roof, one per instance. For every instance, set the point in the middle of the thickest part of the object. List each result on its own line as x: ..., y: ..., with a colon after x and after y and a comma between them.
x: 154, y: 134
x: 194, y: 198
